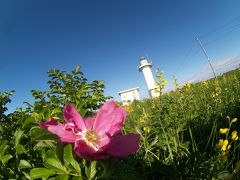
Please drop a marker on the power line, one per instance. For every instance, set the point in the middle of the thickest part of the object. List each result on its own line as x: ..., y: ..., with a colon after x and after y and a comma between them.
x: 186, y: 58
x: 224, y: 33
x: 221, y: 28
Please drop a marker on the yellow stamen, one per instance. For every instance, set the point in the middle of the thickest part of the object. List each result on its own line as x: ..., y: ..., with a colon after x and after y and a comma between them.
x: 92, y: 138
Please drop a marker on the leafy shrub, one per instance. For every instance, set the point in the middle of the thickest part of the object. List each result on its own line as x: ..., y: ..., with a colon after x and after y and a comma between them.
x: 28, y: 146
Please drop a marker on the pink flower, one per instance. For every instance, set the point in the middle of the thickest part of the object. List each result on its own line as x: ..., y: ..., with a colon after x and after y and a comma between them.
x: 97, y: 137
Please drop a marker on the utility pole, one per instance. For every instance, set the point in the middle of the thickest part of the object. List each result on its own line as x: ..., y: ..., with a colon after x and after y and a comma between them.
x: 205, y: 53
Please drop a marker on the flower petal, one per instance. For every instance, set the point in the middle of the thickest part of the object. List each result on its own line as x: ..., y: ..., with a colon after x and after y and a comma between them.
x: 118, y: 118
x: 110, y: 118
x: 104, y: 141
x: 58, y: 128
x: 89, y: 122
x: 71, y: 115
x: 121, y: 146
x: 83, y: 150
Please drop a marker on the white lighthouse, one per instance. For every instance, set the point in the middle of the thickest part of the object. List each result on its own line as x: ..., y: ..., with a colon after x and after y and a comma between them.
x: 145, y: 67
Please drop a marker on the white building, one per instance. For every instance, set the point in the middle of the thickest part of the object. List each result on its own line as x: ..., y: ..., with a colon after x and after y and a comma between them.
x: 129, y: 95
x: 145, y: 67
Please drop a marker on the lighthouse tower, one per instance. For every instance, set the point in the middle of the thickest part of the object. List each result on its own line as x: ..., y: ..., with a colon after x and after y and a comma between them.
x: 145, y: 67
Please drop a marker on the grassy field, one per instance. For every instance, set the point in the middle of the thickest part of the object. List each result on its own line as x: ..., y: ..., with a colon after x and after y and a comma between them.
x: 180, y: 131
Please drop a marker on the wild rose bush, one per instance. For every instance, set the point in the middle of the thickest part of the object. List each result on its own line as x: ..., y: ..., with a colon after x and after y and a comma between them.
x: 31, y: 152
x: 97, y: 137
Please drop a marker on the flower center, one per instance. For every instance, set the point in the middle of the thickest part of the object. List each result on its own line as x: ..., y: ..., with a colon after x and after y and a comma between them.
x: 92, y: 138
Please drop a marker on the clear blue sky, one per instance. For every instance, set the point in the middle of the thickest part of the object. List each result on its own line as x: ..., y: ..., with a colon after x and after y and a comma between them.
x: 108, y: 37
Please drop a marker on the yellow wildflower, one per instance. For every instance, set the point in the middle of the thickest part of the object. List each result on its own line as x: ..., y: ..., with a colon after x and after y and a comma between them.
x: 224, y: 148
x: 234, y: 136
x: 223, y: 130
x: 164, y: 81
x: 161, y: 86
x: 220, y: 143
x: 229, y: 146
x: 146, y: 129
x: 143, y: 117
x: 225, y: 142
x: 187, y: 85
x: 160, y: 78
x: 205, y: 83
x: 128, y: 109
x: 234, y: 120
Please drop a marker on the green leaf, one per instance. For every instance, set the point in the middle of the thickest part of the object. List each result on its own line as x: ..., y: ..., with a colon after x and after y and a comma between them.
x: 41, y: 173
x: 59, y: 177
x: 55, y: 164
x: 38, y: 133
x: 56, y: 111
x: 67, y: 156
x: 62, y: 177
x: 69, y: 160
x: 77, y: 178
x: 26, y: 175
x: 76, y: 70
x: 223, y: 175
x: 44, y: 144
x: 50, y: 153
x: 5, y: 158
x: 59, y: 151
x: 20, y: 149
x: 24, y: 164
x: 10, y: 171
x: 17, y: 136
x: 3, y: 147
x: 91, y: 171
x: 28, y: 121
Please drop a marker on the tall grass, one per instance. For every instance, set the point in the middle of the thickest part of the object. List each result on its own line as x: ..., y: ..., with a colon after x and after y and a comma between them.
x: 179, y: 130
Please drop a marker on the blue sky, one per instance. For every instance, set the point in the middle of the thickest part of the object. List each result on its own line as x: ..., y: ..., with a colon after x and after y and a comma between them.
x: 108, y: 37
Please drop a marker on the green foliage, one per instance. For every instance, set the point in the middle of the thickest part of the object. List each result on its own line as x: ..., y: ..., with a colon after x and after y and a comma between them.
x: 160, y: 81
x: 6, y: 122
x: 41, y: 173
x: 69, y: 160
x: 179, y: 130
x: 29, y: 152
x: 91, y: 170
x: 4, y: 158
x: 4, y: 99
x: 68, y: 88
x: 60, y: 163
